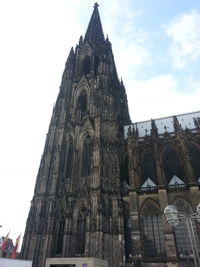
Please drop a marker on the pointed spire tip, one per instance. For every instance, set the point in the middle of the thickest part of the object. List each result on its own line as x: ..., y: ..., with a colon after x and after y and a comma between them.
x: 94, y: 31
x: 96, y: 5
x: 72, y: 50
x: 81, y: 40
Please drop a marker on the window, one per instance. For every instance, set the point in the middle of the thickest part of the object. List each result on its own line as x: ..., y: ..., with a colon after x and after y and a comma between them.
x: 195, y: 158
x: 80, y: 233
x: 152, y: 232
x: 86, y: 65
x: 82, y: 101
x: 124, y: 168
x: 82, y: 105
x: 60, y: 236
x: 127, y: 235
x: 172, y: 164
x: 69, y: 160
x: 148, y: 166
x: 96, y: 64
x: 181, y: 233
x: 87, y: 157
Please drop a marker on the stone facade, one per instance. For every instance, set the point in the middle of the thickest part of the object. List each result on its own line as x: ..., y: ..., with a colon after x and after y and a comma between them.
x: 102, y: 184
x: 163, y: 168
x: 76, y: 262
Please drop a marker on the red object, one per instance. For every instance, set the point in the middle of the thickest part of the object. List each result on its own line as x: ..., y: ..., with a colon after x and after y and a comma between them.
x: 14, y: 253
x: 4, y: 242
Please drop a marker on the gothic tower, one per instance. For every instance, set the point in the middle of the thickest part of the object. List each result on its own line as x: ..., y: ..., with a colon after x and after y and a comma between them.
x: 76, y: 210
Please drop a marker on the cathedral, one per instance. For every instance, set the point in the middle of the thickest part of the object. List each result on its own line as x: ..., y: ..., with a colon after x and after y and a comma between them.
x: 103, y: 181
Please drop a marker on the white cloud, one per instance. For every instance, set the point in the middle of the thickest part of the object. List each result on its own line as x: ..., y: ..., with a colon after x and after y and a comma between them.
x: 129, y: 43
x: 130, y: 59
x: 159, y: 97
x: 184, y: 31
x: 36, y: 37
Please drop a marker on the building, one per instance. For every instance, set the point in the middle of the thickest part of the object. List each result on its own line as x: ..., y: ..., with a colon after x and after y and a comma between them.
x: 14, y: 263
x: 104, y: 182
x: 7, y: 248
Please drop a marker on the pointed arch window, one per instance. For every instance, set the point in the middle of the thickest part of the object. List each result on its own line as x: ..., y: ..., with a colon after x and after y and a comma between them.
x: 69, y: 159
x: 127, y: 235
x: 86, y: 65
x: 59, y: 247
x: 80, y: 231
x: 125, y: 173
x: 87, y: 157
x: 82, y: 104
x: 82, y: 101
x: 195, y: 158
x: 148, y: 166
x: 96, y: 65
x: 152, y: 232
x: 128, y: 227
x: 172, y: 164
x: 181, y: 233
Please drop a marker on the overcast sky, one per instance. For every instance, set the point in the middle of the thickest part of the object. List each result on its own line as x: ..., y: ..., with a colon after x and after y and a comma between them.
x: 156, y: 44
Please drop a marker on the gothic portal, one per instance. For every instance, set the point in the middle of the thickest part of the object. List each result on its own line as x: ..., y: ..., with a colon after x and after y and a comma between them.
x: 103, y: 182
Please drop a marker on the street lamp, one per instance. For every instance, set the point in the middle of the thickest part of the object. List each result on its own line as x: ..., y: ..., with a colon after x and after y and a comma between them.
x: 173, y: 218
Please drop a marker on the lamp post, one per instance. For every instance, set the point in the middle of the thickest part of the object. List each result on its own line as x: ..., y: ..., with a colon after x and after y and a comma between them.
x: 173, y: 218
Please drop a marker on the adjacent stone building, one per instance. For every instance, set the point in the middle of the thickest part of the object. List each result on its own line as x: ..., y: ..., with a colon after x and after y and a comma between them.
x: 103, y: 182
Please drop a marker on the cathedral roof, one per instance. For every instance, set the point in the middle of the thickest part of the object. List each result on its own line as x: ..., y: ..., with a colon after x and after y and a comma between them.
x: 148, y: 183
x: 165, y: 124
x: 176, y: 181
x: 94, y: 31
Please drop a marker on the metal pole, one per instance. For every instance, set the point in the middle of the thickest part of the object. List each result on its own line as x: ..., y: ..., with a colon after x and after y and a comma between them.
x: 190, y: 237
x: 194, y: 240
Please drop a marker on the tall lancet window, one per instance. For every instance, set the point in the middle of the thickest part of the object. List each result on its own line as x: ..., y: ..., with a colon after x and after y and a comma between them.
x: 181, y: 233
x: 148, y: 166
x: 87, y: 156
x: 61, y: 229
x: 82, y: 104
x: 172, y: 164
x: 86, y: 65
x: 152, y: 231
x: 194, y: 151
x: 80, y: 231
x: 96, y: 65
x: 69, y: 160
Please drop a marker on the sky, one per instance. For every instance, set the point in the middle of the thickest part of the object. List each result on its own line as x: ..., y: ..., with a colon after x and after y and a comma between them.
x: 156, y: 45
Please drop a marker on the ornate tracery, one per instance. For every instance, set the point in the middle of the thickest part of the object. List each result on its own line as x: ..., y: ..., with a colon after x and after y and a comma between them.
x: 69, y: 159
x: 172, y: 163
x: 81, y: 230
x: 152, y: 231
x: 148, y: 166
x: 87, y: 156
x: 194, y: 152
x: 61, y: 229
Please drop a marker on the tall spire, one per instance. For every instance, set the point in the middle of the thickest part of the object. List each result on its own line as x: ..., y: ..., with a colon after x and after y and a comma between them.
x: 94, y: 31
